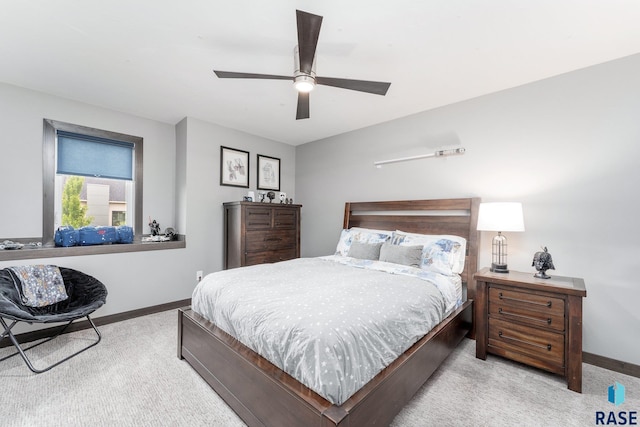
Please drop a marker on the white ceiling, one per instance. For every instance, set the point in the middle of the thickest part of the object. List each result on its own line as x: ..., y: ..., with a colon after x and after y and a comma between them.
x: 154, y: 58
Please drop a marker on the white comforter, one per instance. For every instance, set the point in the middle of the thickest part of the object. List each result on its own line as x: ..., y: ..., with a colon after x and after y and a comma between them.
x: 330, y: 325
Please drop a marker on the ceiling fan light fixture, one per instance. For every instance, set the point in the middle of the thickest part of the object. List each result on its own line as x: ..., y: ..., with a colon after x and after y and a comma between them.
x: 304, y: 83
x: 304, y: 67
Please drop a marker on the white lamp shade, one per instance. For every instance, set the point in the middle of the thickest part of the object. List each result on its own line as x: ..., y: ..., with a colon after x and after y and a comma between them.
x: 500, y: 216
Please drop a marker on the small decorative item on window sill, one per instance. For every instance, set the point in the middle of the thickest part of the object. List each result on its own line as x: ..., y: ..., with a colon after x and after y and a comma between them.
x: 542, y: 262
x: 155, y: 227
x: 9, y: 245
x: 169, y: 233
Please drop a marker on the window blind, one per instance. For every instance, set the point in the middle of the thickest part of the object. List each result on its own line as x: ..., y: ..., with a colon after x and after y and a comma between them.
x: 94, y: 156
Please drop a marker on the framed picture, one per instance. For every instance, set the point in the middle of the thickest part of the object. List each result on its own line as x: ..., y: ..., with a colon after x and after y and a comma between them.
x: 268, y: 173
x: 234, y: 167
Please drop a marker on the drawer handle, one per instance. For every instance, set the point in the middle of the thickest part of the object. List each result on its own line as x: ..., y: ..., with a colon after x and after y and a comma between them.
x: 272, y: 239
x: 548, y: 346
x: 547, y: 304
x: 521, y: 316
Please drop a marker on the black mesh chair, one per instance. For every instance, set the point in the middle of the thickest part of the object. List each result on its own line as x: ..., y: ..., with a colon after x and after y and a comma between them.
x: 85, y: 295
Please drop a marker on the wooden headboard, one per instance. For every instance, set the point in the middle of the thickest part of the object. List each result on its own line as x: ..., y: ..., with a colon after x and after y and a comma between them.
x: 439, y: 216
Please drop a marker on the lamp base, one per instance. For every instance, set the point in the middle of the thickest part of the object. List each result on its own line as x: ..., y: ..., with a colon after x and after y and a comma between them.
x: 499, y: 268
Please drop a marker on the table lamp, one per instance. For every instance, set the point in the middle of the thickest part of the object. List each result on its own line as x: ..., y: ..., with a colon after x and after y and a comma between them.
x: 500, y: 216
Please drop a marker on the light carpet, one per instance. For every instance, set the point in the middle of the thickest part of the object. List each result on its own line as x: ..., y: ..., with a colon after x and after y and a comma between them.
x: 134, y: 378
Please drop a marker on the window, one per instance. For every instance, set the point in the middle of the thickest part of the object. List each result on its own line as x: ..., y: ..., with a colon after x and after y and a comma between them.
x: 91, y: 177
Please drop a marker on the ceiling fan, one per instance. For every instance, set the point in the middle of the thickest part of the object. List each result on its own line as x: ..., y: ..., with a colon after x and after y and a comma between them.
x: 304, y: 75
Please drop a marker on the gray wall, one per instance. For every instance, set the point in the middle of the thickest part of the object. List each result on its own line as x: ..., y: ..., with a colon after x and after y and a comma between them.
x: 181, y: 189
x: 566, y: 147
x: 201, y: 195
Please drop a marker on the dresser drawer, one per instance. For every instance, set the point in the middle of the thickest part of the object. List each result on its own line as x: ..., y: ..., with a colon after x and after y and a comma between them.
x: 528, y: 308
x: 262, y: 257
x: 524, y: 343
x: 258, y: 218
x: 270, y: 240
x: 285, y: 218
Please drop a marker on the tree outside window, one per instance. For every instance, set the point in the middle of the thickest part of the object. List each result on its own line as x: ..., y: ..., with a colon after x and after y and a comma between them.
x: 73, y: 212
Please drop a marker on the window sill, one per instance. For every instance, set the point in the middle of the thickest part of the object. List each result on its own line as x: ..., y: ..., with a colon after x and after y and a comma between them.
x: 54, y: 252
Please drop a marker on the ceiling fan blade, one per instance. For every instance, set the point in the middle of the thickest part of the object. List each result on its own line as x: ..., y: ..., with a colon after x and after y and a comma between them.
x: 377, y: 88
x: 308, y: 33
x: 234, y: 75
x: 303, y: 106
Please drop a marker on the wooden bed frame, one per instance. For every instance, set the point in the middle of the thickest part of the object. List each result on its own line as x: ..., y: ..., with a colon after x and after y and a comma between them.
x: 263, y: 395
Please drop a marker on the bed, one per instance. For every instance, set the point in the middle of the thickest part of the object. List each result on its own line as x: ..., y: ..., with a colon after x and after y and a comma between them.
x: 263, y: 394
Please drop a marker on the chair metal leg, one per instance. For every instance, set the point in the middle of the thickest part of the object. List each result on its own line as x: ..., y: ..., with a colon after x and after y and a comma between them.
x: 7, y: 332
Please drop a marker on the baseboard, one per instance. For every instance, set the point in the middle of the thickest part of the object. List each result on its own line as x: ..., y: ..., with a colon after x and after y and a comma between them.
x: 611, y: 364
x: 99, y: 321
x: 590, y: 358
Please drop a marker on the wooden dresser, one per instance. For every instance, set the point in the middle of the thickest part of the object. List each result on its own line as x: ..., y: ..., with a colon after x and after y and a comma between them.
x: 257, y: 233
x: 534, y: 321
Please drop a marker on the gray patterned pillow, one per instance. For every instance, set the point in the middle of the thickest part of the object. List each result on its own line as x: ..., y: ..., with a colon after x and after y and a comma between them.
x: 405, y: 255
x: 365, y: 250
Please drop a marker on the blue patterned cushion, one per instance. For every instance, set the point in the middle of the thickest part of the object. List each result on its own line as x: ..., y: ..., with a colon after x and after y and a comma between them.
x: 444, y: 254
x: 41, y: 285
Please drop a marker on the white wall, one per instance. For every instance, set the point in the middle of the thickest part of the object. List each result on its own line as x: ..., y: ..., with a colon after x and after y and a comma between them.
x: 567, y: 147
x: 181, y: 189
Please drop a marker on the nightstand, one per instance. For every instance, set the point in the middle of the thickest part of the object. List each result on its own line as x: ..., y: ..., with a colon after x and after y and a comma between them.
x: 537, y: 322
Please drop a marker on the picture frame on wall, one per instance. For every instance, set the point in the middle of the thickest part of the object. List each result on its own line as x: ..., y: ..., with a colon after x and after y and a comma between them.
x: 268, y: 173
x: 234, y: 167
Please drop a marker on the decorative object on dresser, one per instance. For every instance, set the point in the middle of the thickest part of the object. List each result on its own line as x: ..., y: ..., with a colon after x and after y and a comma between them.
x: 271, y: 195
x: 256, y: 234
x: 268, y: 173
x: 542, y: 261
x: 500, y: 216
x: 234, y: 167
x: 534, y: 321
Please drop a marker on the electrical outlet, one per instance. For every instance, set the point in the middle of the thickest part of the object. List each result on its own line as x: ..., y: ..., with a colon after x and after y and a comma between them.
x: 199, y: 275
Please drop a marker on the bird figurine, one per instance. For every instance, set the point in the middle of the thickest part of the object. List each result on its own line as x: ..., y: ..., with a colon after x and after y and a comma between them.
x: 542, y: 262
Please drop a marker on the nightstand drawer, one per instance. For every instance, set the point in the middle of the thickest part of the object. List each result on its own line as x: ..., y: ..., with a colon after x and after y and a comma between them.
x: 531, y: 309
x: 270, y: 240
x: 529, y: 342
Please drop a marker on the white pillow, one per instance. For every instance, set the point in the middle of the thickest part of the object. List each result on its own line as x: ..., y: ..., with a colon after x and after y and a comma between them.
x: 443, y: 254
x: 362, y: 235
